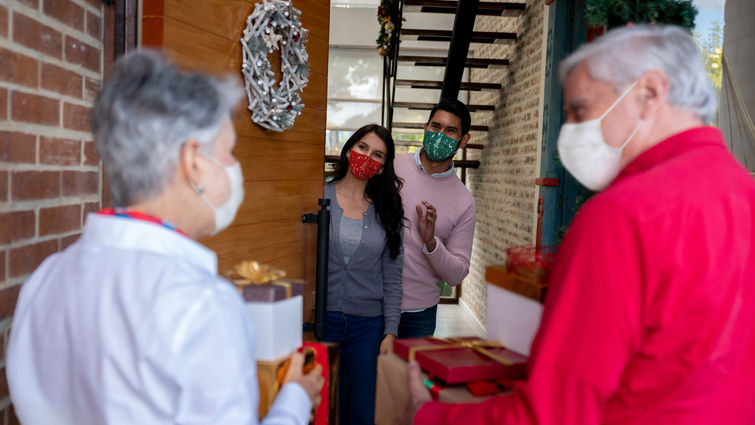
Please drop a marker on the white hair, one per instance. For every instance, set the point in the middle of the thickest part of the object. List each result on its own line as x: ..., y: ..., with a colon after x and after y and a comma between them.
x: 146, y: 111
x: 622, y: 55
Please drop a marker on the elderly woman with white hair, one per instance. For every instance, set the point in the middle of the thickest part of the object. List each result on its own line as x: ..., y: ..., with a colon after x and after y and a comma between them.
x: 650, y: 315
x: 131, y: 324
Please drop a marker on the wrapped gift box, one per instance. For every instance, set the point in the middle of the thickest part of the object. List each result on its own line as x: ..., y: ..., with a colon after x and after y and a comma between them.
x: 269, y: 379
x: 276, y: 311
x: 462, y: 360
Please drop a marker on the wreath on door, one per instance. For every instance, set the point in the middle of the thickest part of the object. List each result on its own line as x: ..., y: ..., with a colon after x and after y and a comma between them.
x: 274, y: 25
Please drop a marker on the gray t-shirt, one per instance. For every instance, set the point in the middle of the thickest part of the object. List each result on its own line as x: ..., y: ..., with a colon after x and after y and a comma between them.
x: 350, y: 234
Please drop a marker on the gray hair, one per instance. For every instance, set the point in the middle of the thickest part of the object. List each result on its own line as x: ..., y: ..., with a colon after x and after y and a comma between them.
x: 622, y: 55
x: 146, y: 111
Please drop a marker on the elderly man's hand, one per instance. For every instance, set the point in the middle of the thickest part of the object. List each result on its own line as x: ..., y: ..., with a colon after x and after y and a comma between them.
x: 311, y: 382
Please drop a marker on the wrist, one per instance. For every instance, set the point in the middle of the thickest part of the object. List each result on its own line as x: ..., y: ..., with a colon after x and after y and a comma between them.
x: 431, y: 244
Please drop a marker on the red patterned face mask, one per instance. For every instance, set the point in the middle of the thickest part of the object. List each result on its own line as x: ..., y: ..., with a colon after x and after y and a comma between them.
x: 362, y: 166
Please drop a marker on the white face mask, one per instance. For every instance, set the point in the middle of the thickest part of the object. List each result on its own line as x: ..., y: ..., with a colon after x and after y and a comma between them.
x: 585, y: 154
x: 225, y: 213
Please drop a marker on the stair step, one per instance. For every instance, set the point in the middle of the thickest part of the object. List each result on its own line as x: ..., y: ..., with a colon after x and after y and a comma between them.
x: 485, y: 8
x: 430, y: 106
x: 421, y: 126
x: 442, y: 60
x: 488, y: 37
x: 426, y: 84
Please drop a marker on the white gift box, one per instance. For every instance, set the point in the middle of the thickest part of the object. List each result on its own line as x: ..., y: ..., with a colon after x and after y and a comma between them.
x: 277, y: 327
x: 513, y: 319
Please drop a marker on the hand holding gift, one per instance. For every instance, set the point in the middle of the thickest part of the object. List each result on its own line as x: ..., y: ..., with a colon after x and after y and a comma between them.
x: 309, y: 376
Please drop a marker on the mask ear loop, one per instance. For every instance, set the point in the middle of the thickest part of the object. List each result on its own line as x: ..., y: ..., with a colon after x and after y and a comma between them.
x: 623, y: 95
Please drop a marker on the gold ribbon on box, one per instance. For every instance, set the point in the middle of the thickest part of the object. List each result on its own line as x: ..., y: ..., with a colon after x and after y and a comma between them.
x: 478, y: 345
x: 254, y: 273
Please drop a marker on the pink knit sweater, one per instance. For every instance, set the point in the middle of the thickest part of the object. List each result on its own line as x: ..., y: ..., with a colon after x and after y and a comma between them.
x: 454, y: 230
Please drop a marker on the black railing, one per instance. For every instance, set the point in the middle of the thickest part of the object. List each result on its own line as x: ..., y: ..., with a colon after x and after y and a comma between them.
x: 390, y: 66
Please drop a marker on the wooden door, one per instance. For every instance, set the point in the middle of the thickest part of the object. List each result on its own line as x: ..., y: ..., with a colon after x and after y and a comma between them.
x: 283, y: 172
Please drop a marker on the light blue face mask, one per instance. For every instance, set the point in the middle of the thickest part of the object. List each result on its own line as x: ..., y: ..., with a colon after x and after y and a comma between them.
x: 439, y: 147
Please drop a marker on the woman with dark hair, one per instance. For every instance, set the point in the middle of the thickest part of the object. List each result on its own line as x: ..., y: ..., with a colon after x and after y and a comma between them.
x: 364, y: 265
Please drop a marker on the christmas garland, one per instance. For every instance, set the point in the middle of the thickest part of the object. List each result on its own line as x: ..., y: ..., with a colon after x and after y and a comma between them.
x: 386, y: 16
x: 273, y: 25
x: 614, y: 13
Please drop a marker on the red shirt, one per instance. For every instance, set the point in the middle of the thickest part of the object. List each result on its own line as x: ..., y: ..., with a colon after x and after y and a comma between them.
x: 650, y: 317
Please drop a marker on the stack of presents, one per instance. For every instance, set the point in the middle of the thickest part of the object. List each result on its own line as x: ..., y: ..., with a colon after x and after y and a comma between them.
x: 456, y: 370
x: 277, y: 305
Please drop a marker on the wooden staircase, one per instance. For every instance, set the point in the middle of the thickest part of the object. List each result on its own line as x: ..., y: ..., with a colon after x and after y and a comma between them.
x: 458, y: 38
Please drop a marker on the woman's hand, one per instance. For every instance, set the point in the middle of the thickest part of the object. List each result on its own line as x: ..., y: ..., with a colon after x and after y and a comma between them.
x: 311, y: 382
x: 387, y: 345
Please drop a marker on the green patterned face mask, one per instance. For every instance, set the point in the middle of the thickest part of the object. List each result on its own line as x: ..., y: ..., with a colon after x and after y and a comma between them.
x: 439, y: 147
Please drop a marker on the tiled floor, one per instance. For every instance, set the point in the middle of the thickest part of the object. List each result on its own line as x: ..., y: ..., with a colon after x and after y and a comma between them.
x: 456, y: 320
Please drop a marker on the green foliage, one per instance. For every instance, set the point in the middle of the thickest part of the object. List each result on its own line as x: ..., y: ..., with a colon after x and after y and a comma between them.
x: 615, y: 13
x: 710, y: 48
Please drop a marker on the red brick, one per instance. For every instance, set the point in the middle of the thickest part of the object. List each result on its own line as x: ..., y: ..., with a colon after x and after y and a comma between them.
x: 2, y: 279
x: 80, y: 53
x: 3, y: 104
x: 61, y: 80
x: 80, y: 183
x: 35, y: 185
x: 76, y: 117
x: 66, y: 241
x: 18, y: 68
x: 59, y: 219
x: 59, y: 151
x: 91, y: 88
x: 8, y: 298
x: 66, y: 12
x: 90, y: 154
x: 12, y: 418
x: 35, y: 109
x: 3, y: 186
x: 16, y: 226
x: 17, y: 147
x: 4, y: 379
x: 97, y: 4
x: 3, y: 22
x: 25, y: 259
x: 34, y: 35
x: 91, y: 207
x: 93, y: 25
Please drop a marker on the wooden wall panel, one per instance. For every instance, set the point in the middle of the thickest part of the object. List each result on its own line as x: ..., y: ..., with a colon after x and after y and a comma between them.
x: 283, y: 172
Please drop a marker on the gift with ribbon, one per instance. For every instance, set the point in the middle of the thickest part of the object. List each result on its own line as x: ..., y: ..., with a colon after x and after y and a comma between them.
x: 258, y: 282
x: 463, y: 360
x: 275, y: 307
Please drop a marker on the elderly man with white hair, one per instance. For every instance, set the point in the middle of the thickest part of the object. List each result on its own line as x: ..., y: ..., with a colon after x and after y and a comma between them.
x: 650, y: 318
x: 131, y: 324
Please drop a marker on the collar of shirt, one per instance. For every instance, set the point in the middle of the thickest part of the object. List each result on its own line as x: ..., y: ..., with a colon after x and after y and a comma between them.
x: 672, y: 147
x: 140, y: 235
x: 418, y: 162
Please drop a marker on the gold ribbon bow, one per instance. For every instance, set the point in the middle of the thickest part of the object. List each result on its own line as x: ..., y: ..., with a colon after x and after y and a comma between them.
x: 253, y: 273
x: 477, y: 345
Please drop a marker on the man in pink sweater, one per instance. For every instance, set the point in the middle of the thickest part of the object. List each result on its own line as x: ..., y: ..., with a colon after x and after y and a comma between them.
x: 440, y: 213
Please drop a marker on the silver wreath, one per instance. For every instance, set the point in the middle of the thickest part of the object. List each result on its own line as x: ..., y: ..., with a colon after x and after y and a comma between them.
x: 273, y: 25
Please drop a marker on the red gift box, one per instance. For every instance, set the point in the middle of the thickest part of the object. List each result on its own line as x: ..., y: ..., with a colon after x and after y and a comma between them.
x: 461, y: 360
x: 321, y: 357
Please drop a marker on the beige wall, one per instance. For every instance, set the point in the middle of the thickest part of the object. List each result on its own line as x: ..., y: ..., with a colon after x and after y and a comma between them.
x: 503, y: 186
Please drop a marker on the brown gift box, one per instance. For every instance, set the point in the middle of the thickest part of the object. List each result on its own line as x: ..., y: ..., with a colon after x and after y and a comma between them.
x: 392, y: 396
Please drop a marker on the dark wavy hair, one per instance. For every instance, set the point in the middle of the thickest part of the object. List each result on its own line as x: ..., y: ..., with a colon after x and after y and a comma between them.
x: 382, y: 189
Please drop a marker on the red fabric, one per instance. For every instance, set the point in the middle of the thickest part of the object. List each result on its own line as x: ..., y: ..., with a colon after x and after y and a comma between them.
x: 651, y: 311
x: 321, y: 357
x: 362, y: 166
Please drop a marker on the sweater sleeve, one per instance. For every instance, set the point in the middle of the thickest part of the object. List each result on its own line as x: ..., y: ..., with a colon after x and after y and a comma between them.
x: 591, y: 325
x: 450, y: 260
x: 392, y: 290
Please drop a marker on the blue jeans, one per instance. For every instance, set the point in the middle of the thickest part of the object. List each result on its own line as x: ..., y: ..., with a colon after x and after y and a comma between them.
x: 419, y: 324
x: 359, y: 341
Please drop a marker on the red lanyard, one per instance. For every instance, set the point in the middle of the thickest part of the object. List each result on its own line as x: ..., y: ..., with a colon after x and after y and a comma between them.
x: 137, y: 215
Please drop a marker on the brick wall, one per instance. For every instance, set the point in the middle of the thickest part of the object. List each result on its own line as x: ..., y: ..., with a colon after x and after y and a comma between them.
x: 503, y: 186
x: 50, y: 71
